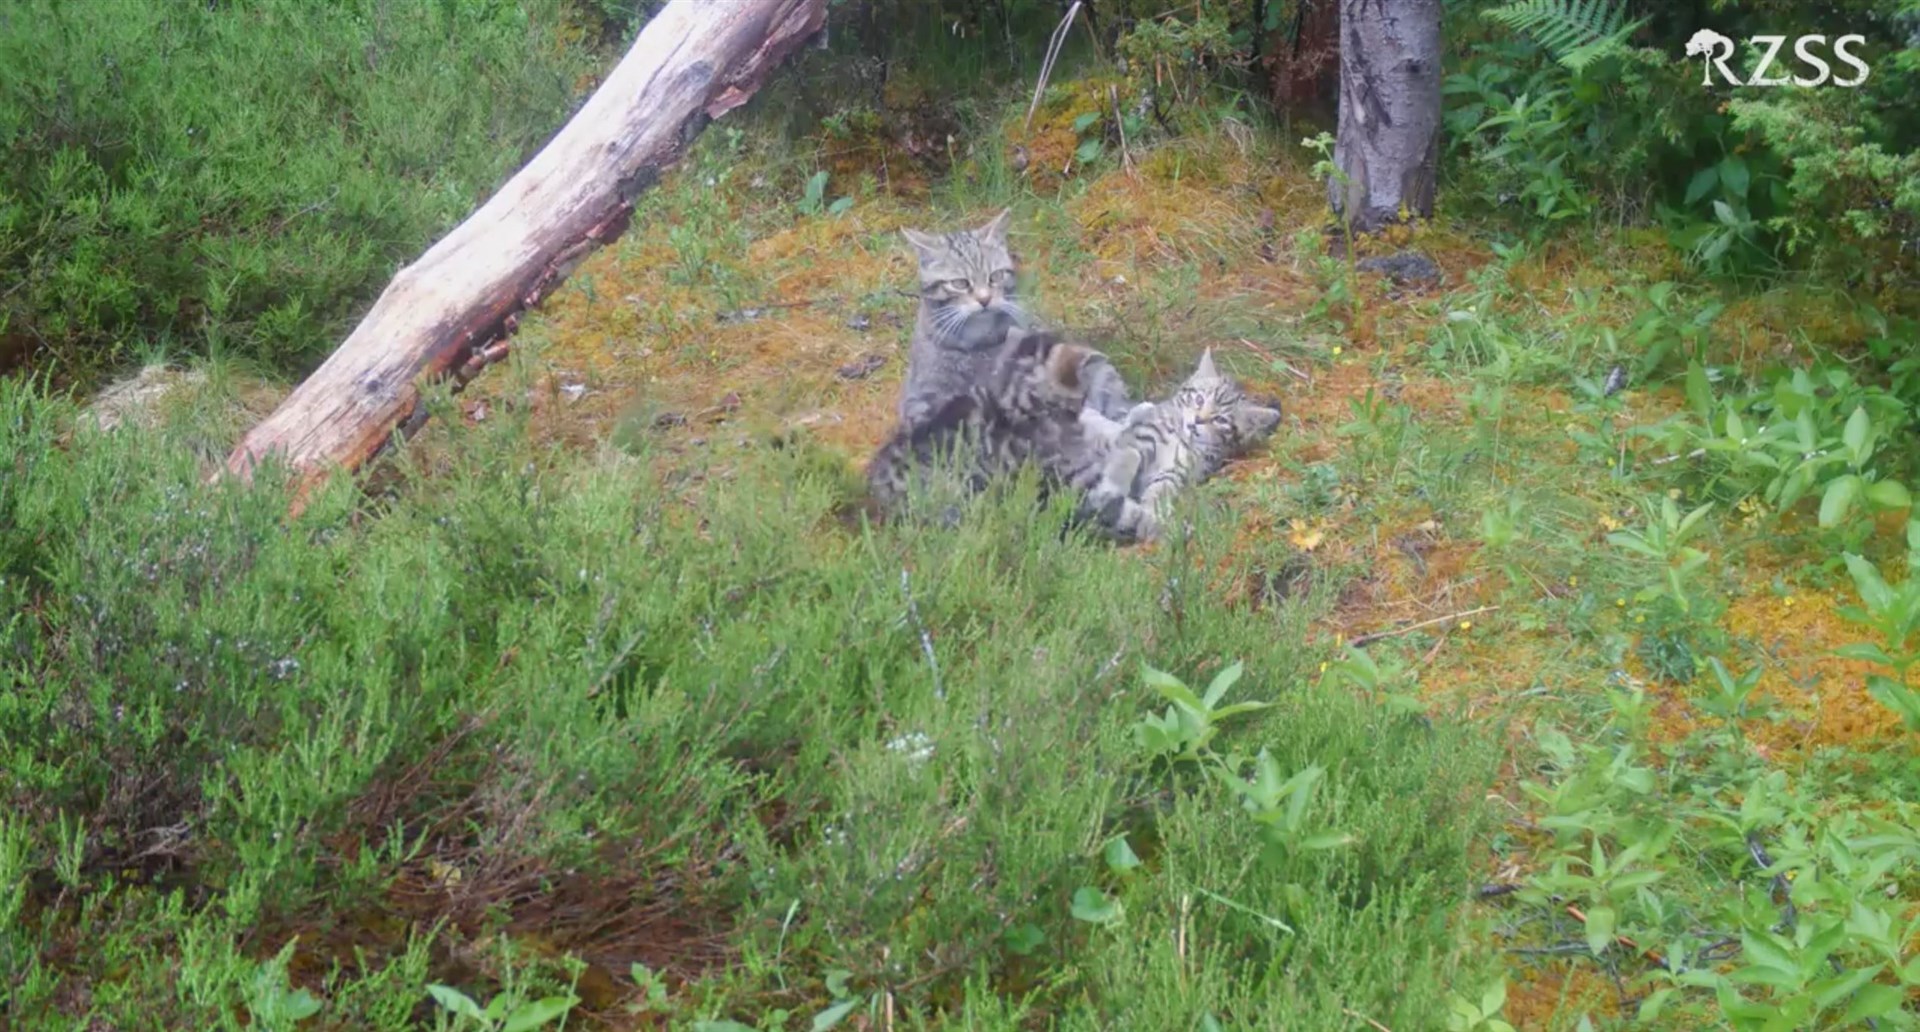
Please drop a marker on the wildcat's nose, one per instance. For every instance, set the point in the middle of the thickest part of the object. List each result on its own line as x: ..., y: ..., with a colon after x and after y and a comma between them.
x: 983, y: 295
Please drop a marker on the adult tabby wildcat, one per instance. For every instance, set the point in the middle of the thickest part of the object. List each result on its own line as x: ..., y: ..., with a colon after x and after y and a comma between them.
x: 967, y: 306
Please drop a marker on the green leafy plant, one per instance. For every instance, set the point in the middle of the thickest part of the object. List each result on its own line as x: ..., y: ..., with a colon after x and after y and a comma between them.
x: 1464, y: 1015
x: 1190, y: 721
x: 1678, y: 618
x: 1894, y: 611
x: 1814, y: 433
x: 504, y: 1013
x: 813, y: 197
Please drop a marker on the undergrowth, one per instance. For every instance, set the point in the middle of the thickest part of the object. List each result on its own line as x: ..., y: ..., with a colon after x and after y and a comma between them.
x: 537, y: 705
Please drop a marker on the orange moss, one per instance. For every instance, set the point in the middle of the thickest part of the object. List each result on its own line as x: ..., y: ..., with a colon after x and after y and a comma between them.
x: 1823, y: 696
x: 1555, y: 995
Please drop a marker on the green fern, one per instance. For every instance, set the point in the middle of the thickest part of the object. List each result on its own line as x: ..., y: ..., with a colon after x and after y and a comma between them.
x: 1576, y: 32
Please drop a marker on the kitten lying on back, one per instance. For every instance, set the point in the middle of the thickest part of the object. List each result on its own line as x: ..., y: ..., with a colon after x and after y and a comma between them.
x: 1160, y: 449
x: 1026, y: 409
x: 967, y: 305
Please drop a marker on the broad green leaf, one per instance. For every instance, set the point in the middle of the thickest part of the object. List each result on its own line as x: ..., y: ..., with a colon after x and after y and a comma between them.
x: 1095, y: 907
x: 1761, y: 974
x: 1896, y: 697
x: 1600, y: 925
x: 1699, y: 392
x: 1829, y: 991
x: 1767, y: 949
x: 1736, y: 428
x: 1687, y: 524
x: 455, y: 1000
x: 1633, y: 543
x: 1733, y: 172
x: 1222, y: 681
x: 1636, y: 879
x: 1120, y: 856
x: 1796, y: 486
x: 1080, y: 124
x: 1864, y: 650
x: 1494, y: 998
x: 1023, y: 939
x: 1702, y: 183
x: 1867, y: 581
x: 840, y: 206
x: 1299, y: 790
x: 1889, y: 494
x: 1855, y: 434
x: 1327, y: 840
x: 299, y: 1005
x: 1239, y: 707
x: 832, y: 1016
x: 1173, y: 689
x: 538, y: 1013
x: 1838, y: 499
x: 1872, y: 1001
x: 1089, y: 151
x: 1209, y: 1023
x: 1651, y: 1006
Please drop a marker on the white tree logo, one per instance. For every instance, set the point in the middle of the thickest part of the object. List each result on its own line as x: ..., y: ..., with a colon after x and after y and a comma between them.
x: 1717, y: 49
x: 1714, y: 47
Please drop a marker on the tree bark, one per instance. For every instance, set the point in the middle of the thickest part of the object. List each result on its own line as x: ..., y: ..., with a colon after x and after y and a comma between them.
x: 1388, y: 146
x: 451, y: 311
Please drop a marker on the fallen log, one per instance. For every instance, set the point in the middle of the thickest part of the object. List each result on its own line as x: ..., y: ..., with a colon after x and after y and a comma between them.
x: 451, y: 312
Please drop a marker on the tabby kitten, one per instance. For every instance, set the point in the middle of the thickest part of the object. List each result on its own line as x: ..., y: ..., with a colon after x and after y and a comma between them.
x: 1026, y: 409
x: 967, y: 306
x: 1162, y: 448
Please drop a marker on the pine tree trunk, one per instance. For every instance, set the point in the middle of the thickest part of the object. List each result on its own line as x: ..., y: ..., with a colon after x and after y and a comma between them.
x: 1389, y: 140
x: 450, y: 312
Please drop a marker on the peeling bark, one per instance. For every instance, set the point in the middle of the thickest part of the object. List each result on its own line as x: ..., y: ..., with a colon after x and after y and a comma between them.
x: 1389, y: 140
x: 450, y: 313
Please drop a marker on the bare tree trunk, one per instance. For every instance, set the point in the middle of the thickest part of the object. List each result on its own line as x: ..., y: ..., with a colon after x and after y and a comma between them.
x: 450, y: 311
x: 1389, y: 141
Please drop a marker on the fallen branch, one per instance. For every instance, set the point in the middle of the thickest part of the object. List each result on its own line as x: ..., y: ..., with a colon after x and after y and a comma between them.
x: 450, y: 312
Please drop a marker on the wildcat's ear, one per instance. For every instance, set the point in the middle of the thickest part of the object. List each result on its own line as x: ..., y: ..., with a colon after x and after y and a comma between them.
x: 996, y: 228
x: 1205, y: 373
x: 923, y: 243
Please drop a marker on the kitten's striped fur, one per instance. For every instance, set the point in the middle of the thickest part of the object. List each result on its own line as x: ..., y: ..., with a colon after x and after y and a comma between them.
x: 1160, y: 449
x: 1026, y: 410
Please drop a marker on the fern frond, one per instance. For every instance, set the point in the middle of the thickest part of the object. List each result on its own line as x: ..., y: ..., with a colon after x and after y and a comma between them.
x: 1576, y: 32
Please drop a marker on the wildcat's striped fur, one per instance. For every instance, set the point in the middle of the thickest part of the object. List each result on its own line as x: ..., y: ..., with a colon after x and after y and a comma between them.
x: 1026, y: 410
x: 1161, y: 448
x: 968, y: 302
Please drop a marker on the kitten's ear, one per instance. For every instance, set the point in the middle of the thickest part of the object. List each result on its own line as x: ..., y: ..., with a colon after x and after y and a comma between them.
x: 996, y: 228
x: 923, y: 243
x: 1205, y: 373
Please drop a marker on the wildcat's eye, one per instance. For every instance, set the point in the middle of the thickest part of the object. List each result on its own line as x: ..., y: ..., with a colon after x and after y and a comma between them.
x: 1002, y: 276
x: 960, y: 285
